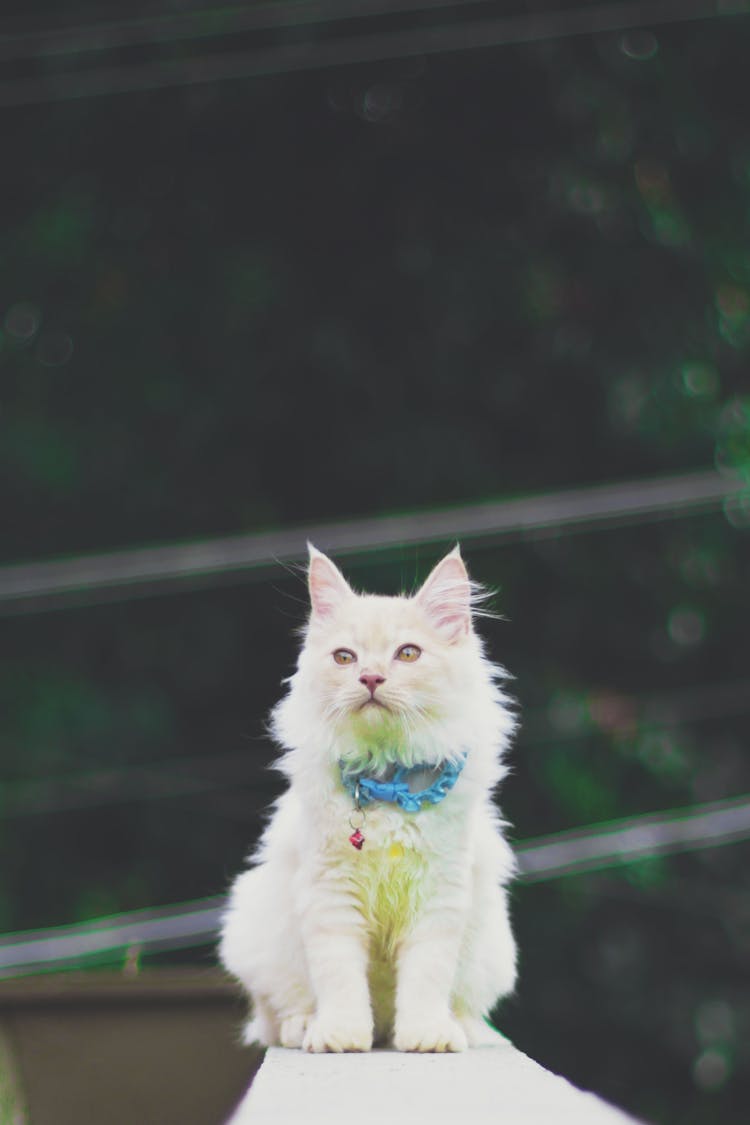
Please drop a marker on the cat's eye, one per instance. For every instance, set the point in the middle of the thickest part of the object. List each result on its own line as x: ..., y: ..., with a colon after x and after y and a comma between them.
x: 344, y: 656
x: 409, y: 653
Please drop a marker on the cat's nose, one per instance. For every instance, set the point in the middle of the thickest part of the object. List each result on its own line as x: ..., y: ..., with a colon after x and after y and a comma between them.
x: 371, y: 680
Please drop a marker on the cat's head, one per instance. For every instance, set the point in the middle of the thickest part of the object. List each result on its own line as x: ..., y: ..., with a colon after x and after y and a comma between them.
x: 381, y: 676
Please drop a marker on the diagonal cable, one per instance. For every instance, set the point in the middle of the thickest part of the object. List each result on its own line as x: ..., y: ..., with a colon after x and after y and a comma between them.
x: 369, y: 46
x: 31, y: 587
x: 197, y: 923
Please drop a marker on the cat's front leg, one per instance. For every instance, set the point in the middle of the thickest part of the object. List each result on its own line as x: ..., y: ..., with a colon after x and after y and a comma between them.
x: 336, y: 948
x: 426, y: 971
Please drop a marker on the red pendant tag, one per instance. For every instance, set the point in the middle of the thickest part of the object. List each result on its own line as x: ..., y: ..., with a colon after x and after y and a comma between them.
x: 357, y: 839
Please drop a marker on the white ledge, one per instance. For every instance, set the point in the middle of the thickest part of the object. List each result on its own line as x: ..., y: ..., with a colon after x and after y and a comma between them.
x: 487, y: 1084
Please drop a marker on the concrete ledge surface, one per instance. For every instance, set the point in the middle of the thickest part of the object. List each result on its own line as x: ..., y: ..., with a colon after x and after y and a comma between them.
x: 487, y: 1084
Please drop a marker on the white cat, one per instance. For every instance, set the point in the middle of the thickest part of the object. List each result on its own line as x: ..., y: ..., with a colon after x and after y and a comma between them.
x: 375, y: 909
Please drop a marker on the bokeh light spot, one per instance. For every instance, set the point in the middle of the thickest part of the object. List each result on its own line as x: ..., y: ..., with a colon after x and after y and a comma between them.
x: 711, y: 1070
x: 568, y: 713
x: 22, y: 321
x: 732, y: 453
x: 701, y: 567
x: 585, y: 197
x: 732, y: 301
x: 612, y: 713
x: 652, y: 180
x: 670, y: 228
x: 639, y: 45
x: 699, y: 380
x: 714, y: 1022
x: 733, y: 307
x: 381, y: 101
x: 686, y: 626
x: 53, y: 349
x: 737, y: 510
x: 628, y: 398
x: 660, y: 753
x: 544, y: 291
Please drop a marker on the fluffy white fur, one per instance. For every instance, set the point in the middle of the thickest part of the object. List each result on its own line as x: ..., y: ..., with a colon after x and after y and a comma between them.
x: 408, y: 940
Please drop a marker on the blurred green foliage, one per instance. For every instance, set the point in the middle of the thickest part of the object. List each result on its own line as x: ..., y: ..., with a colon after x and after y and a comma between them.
x: 341, y: 293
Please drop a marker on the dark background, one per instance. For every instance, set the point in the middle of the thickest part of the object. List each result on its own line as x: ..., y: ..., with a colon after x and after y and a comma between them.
x: 333, y: 293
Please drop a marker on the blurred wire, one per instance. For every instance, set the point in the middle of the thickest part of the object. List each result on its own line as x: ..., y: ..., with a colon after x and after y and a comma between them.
x: 102, y: 939
x: 238, y: 775
x: 35, y: 587
x: 622, y: 841
x: 338, y: 50
x: 205, y: 23
x: 163, y: 780
x: 197, y: 923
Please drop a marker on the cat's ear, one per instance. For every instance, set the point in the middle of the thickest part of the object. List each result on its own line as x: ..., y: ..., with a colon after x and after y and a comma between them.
x: 328, y: 587
x: 446, y: 596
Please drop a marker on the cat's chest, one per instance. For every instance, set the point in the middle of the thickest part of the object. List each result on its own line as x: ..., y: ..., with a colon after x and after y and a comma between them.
x: 390, y: 882
x: 402, y: 861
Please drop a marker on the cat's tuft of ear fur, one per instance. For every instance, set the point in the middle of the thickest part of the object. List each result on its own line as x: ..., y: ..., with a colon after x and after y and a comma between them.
x: 328, y: 587
x: 446, y: 596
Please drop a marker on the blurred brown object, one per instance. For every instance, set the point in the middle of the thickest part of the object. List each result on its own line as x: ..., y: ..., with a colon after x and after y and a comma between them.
x: 155, y: 1048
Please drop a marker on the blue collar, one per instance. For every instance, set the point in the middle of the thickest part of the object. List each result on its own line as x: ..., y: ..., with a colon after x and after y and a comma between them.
x: 365, y: 790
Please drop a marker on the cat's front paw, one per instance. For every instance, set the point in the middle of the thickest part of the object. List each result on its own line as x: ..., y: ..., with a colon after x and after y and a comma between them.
x: 440, y: 1032
x: 338, y: 1031
x: 293, y: 1028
